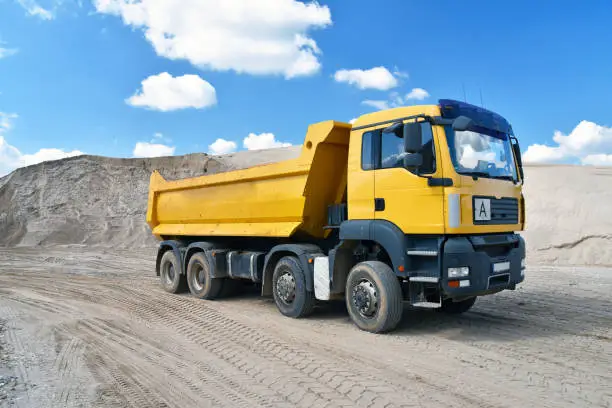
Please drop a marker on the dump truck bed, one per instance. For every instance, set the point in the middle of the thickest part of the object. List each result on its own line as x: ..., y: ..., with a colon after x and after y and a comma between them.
x: 273, y: 200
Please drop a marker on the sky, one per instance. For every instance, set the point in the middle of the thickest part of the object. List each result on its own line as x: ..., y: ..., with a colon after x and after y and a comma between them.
x: 143, y: 78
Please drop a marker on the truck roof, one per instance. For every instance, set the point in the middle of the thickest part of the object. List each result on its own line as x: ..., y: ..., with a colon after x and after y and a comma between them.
x: 400, y: 112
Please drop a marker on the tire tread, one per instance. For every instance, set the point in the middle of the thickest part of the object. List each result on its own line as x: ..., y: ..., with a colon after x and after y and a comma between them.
x: 212, y: 289
x: 309, y: 301
x: 390, y: 286
x: 181, y: 286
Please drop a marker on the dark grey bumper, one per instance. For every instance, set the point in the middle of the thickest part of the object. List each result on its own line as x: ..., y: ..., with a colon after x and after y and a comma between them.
x: 480, y: 254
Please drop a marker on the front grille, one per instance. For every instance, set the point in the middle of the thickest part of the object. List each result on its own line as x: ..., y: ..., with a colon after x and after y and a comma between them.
x: 503, y: 211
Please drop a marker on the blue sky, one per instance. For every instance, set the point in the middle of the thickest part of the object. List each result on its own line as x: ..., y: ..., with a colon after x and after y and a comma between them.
x: 269, y: 68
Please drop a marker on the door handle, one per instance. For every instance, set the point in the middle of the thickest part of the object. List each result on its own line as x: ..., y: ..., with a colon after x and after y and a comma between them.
x: 379, y: 204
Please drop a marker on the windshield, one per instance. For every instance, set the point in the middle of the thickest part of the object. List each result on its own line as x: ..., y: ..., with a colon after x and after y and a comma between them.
x: 482, y: 153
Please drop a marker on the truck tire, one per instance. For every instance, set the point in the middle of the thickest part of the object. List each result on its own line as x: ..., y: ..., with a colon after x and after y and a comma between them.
x: 450, y: 307
x: 230, y: 287
x: 374, y: 297
x: 170, y: 273
x: 289, y: 289
x: 201, y: 284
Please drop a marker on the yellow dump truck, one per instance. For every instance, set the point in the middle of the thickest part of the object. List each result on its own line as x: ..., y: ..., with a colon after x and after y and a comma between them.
x: 417, y: 205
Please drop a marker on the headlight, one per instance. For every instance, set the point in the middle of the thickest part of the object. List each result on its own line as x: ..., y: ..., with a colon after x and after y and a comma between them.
x: 459, y: 272
x: 523, y: 263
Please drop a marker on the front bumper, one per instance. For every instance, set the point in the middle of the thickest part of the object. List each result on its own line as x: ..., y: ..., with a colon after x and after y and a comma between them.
x: 480, y: 254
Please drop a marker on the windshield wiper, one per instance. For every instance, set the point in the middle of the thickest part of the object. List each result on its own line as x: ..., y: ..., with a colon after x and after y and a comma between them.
x: 476, y: 174
x: 509, y: 178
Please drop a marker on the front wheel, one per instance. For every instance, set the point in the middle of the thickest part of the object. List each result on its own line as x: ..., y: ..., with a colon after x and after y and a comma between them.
x: 289, y: 289
x: 450, y: 307
x: 374, y: 297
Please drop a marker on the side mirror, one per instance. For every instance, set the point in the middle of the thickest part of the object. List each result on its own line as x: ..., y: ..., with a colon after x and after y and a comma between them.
x: 462, y: 123
x: 517, y: 153
x: 413, y: 138
x: 413, y: 160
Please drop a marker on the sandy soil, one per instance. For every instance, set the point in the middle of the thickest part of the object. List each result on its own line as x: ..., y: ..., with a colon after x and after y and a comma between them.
x: 81, y: 328
x: 88, y: 326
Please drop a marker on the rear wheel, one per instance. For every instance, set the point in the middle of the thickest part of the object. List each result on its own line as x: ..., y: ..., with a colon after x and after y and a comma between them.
x: 374, y: 297
x: 231, y: 287
x: 170, y: 273
x: 289, y: 289
x: 450, y: 307
x: 199, y: 278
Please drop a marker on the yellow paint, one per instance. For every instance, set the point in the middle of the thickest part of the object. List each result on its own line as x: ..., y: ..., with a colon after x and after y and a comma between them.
x: 360, y: 182
x: 407, y: 196
x: 282, y: 199
x: 274, y: 200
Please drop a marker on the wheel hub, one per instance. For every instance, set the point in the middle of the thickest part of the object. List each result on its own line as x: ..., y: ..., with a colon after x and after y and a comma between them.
x: 285, y: 287
x: 171, y: 273
x: 200, y: 279
x: 365, y: 298
x: 168, y: 274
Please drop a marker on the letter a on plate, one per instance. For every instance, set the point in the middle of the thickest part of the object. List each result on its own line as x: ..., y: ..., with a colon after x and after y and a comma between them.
x: 482, y: 209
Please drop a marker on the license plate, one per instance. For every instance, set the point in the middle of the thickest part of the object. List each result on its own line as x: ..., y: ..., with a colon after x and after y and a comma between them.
x: 482, y: 209
x: 501, y: 266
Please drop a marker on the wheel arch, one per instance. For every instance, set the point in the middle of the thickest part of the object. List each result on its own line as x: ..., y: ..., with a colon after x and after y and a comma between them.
x: 195, y: 248
x: 170, y: 245
x: 303, y: 252
x: 384, y: 233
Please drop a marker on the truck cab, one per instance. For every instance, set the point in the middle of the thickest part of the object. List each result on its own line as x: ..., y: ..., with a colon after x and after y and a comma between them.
x: 447, y: 179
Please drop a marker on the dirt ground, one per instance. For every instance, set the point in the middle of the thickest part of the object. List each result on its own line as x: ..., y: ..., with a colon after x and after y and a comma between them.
x: 82, y: 327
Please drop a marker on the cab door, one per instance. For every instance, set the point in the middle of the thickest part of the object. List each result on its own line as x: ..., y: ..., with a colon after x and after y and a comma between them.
x: 405, y: 197
x: 361, y: 175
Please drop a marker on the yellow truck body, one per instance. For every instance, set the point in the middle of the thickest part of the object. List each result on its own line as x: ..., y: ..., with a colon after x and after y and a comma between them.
x: 273, y: 200
x: 418, y: 203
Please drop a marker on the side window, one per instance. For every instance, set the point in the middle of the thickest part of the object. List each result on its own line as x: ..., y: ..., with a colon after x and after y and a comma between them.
x: 428, y: 150
x: 392, y: 148
x: 367, y: 156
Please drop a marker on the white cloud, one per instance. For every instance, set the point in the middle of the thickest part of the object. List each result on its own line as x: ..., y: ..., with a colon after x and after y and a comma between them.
x: 159, y: 137
x: 598, y: 159
x: 400, y: 74
x: 222, y: 146
x: 164, y: 92
x: 587, y: 143
x: 255, y: 37
x: 353, y: 121
x: 418, y: 94
x: 6, y: 121
x: 262, y: 141
x: 145, y: 149
x: 34, y: 9
x: 395, y: 99
x: 539, y: 153
x: 380, y: 105
x: 375, y: 78
x: 11, y: 158
x: 251, y: 142
x: 46, y: 155
x: 7, y: 52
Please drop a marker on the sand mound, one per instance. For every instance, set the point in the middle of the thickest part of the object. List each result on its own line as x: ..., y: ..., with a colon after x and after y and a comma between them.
x: 101, y: 201
x: 569, y: 214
